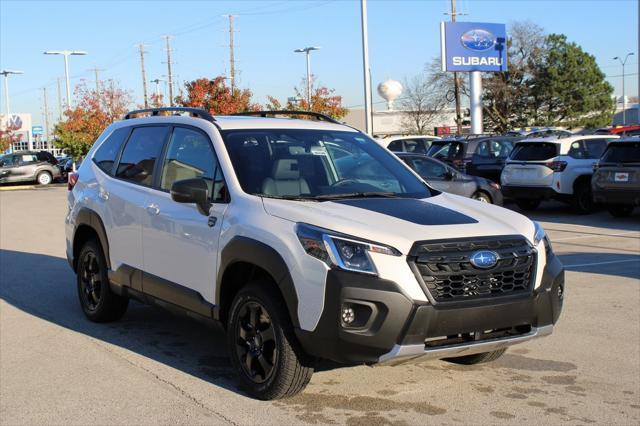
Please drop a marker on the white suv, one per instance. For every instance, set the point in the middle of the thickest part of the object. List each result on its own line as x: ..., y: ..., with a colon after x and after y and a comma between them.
x: 553, y: 168
x: 305, y: 239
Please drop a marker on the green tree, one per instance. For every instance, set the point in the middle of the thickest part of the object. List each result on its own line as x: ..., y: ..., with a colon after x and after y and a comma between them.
x: 569, y: 88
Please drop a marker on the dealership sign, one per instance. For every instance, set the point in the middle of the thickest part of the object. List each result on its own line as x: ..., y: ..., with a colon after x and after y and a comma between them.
x: 473, y: 46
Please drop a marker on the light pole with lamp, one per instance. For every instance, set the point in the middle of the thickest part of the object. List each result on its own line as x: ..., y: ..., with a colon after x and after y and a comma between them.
x: 6, y: 74
x: 624, y: 99
x: 66, y: 54
x: 307, y: 50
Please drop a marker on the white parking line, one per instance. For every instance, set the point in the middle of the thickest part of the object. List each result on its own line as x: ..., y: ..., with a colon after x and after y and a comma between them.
x: 595, y: 236
x: 602, y: 263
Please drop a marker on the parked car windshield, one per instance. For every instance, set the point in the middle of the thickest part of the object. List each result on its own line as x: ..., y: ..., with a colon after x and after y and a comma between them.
x: 622, y: 152
x: 445, y: 150
x: 534, y: 151
x: 317, y: 164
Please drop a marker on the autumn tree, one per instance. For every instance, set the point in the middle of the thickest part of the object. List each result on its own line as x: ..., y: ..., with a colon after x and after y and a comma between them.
x: 323, y: 100
x: 8, y: 137
x: 422, y: 102
x: 94, y: 110
x: 216, y: 97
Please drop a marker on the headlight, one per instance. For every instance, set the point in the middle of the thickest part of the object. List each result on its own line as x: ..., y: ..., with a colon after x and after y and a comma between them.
x: 340, y: 250
x: 541, y: 235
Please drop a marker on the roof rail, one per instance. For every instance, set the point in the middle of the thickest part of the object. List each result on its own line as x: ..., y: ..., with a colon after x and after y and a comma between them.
x: 193, y: 112
x: 317, y: 115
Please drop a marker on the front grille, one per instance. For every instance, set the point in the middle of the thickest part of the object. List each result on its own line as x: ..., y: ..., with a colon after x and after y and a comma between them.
x: 445, y: 272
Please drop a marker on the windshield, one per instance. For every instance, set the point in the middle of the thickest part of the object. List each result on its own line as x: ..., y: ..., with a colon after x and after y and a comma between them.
x: 535, y: 151
x: 317, y: 164
x: 622, y: 152
x: 445, y: 150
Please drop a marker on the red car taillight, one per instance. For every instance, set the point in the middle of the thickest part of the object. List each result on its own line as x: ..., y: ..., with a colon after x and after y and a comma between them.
x: 556, y: 166
x: 72, y: 179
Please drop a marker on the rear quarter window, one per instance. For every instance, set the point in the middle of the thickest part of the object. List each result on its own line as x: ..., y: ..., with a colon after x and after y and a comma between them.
x: 445, y: 150
x: 534, y: 151
x: 106, y: 154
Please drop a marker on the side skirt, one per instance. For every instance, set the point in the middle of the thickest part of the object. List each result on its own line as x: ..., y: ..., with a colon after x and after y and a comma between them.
x: 131, y: 282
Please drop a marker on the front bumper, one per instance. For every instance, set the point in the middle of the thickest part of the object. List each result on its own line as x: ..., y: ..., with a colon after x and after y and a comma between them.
x: 393, y: 328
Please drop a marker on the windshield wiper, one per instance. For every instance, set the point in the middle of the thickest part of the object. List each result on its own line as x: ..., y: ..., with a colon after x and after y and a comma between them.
x: 287, y: 197
x: 370, y: 194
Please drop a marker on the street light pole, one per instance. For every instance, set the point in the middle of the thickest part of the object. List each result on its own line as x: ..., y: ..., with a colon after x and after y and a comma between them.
x: 308, y: 50
x: 66, y: 53
x: 368, y: 107
x: 6, y: 74
x: 624, y: 98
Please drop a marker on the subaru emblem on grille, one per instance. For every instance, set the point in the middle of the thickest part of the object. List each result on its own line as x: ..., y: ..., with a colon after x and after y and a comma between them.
x: 484, y: 259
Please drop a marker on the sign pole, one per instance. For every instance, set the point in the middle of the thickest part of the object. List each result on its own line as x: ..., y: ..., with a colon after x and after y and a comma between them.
x: 475, y: 86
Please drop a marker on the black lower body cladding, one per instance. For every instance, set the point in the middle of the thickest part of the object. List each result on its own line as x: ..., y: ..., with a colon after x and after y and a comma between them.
x: 389, y: 317
x: 617, y: 196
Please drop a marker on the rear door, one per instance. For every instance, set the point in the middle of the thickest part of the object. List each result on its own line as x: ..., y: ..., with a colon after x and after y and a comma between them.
x: 435, y: 174
x: 125, y: 188
x: 180, y: 244
x: 527, y: 165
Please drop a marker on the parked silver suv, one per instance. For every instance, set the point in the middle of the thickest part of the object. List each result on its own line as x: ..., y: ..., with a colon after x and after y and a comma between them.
x: 28, y: 166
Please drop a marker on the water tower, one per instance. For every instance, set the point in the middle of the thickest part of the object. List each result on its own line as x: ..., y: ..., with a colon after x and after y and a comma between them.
x: 390, y: 90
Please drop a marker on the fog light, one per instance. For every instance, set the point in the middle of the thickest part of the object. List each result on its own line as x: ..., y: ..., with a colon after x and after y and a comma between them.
x: 348, y: 314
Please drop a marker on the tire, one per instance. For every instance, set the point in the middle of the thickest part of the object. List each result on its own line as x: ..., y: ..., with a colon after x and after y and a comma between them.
x: 483, y: 197
x: 98, y: 302
x: 582, y: 200
x: 480, y: 358
x: 527, y: 205
x: 44, y: 178
x: 620, y: 211
x: 262, y: 345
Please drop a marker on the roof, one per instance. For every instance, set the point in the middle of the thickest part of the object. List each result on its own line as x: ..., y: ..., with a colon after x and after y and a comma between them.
x: 565, y: 142
x: 396, y: 138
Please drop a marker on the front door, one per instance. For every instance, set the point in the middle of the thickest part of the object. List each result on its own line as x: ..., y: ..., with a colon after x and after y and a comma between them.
x: 180, y: 244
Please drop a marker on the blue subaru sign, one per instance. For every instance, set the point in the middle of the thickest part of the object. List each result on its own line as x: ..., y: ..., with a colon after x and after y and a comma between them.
x: 37, y: 130
x: 473, y: 46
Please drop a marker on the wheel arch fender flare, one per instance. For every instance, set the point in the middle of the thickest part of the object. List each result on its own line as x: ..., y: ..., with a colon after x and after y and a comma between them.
x: 583, y: 179
x: 249, y: 251
x: 88, y: 217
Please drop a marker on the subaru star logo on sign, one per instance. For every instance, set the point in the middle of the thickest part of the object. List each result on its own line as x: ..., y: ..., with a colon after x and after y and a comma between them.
x: 473, y: 46
x: 484, y: 259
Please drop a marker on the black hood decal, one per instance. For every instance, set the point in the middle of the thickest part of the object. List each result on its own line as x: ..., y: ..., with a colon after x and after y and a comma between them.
x: 411, y: 210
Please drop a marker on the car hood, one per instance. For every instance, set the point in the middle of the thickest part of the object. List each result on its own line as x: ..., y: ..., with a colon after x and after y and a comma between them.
x: 399, y: 222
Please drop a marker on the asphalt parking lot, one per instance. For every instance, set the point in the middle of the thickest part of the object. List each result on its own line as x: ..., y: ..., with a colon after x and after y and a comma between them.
x: 156, y: 368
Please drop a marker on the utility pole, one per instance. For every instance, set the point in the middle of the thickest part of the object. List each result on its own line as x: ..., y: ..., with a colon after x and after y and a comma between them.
x: 368, y: 106
x: 46, y: 114
x: 456, y: 83
x: 169, y: 75
x: 144, y: 75
x: 59, y: 101
x: 232, y: 61
x: 96, y: 70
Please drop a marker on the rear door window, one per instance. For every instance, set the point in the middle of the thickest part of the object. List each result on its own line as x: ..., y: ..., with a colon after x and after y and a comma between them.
x: 428, y: 168
x: 415, y: 146
x: 140, y: 154
x: 105, y: 156
x: 396, y: 146
x: 445, y: 150
x: 534, y: 151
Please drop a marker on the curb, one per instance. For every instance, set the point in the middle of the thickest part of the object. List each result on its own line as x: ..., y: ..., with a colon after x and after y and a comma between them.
x: 35, y: 187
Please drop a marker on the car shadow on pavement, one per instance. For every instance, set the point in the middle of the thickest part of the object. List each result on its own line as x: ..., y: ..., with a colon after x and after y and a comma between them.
x: 615, y: 264
x: 562, y: 214
x: 44, y: 286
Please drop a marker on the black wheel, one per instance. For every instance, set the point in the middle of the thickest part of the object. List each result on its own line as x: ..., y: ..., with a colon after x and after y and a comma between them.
x: 482, y: 197
x: 527, y: 205
x: 477, y: 358
x: 263, y: 348
x: 98, y: 302
x: 44, y: 178
x: 620, y: 211
x: 582, y: 199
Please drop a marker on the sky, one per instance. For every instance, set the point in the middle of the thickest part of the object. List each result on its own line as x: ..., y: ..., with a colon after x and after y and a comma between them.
x: 403, y: 37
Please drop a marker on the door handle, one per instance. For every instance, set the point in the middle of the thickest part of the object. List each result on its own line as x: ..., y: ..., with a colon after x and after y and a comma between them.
x: 153, y: 209
x: 212, y: 221
x: 103, y: 194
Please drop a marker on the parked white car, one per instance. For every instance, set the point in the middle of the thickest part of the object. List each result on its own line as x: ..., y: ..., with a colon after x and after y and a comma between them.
x: 304, y: 239
x: 553, y: 168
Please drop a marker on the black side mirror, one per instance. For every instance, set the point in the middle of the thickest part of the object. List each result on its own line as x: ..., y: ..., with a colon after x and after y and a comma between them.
x: 192, y: 191
x: 448, y: 175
